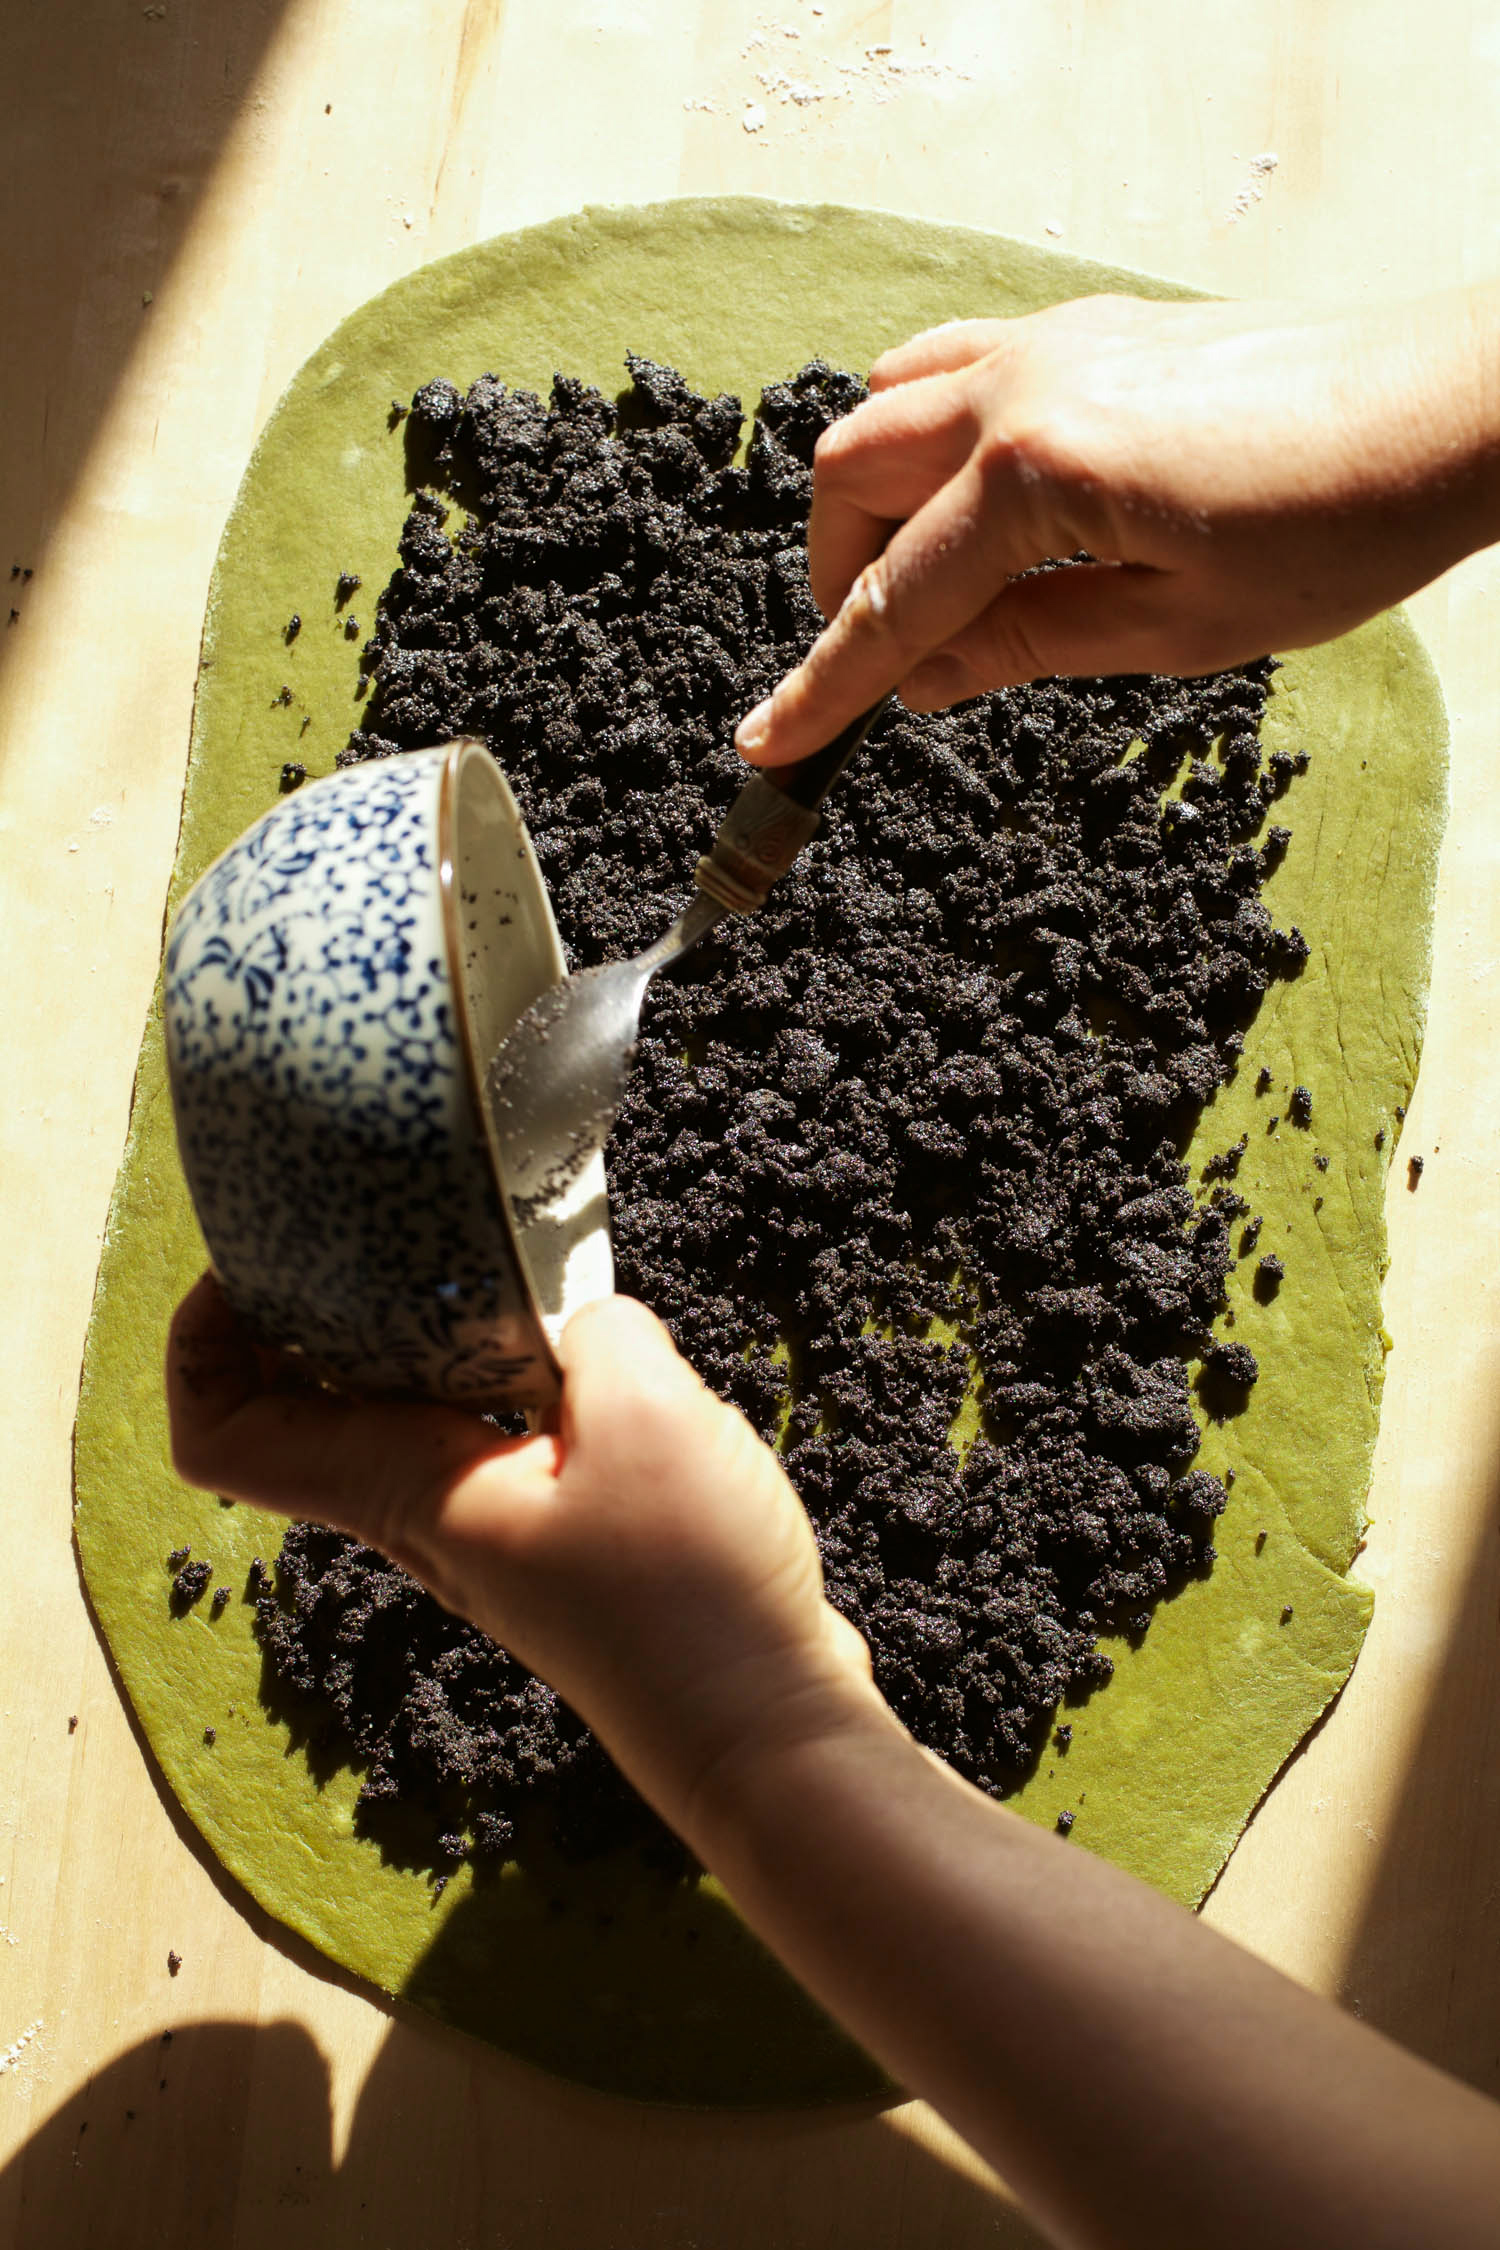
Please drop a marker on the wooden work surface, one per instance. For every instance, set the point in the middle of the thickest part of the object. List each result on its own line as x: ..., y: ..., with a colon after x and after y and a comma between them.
x: 195, y: 191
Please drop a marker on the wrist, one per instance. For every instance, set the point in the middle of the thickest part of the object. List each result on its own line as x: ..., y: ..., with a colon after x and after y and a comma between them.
x: 750, y: 1769
x: 1479, y: 316
x: 1455, y: 418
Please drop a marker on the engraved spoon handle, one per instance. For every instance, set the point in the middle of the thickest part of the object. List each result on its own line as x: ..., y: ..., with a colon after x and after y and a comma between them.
x: 771, y: 819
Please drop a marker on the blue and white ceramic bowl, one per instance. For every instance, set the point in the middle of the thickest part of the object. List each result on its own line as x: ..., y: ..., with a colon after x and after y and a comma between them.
x: 335, y: 986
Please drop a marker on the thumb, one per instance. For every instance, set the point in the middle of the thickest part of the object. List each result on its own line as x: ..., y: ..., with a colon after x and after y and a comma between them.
x: 620, y: 1336
x: 625, y: 1384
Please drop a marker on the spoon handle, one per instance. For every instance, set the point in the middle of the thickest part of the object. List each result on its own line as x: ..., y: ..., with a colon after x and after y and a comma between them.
x: 771, y: 819
x: 808, y: 780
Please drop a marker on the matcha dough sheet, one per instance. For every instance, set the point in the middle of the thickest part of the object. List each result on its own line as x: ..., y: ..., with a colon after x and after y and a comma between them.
x: 639, y: 1986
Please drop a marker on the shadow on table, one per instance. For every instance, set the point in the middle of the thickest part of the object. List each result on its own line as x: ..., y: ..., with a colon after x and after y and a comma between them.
x: 1424, y: 1966
x: 113, y: 120
x: 222, y: 2132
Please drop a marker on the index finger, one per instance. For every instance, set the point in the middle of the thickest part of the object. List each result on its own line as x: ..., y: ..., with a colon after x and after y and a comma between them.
x: 938, y: 351
x: 874, y: 469
x: 940, y: 572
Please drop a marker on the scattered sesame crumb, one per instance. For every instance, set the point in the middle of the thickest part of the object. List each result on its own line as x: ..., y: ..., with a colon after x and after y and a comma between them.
x: 190, y: 1584
x: 1234, y: 1364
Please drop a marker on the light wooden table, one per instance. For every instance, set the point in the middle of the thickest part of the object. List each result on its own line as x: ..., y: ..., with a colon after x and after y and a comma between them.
x: 194, y: 192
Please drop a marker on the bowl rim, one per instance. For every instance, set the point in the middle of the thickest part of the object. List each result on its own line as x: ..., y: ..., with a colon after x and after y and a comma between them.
x: 461, y: 749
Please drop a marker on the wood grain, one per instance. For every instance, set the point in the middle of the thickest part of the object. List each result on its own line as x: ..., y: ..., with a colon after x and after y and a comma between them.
x: 196, y: 191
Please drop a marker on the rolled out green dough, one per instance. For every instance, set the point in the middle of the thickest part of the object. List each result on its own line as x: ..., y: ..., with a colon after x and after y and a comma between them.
x: 664, y: 1994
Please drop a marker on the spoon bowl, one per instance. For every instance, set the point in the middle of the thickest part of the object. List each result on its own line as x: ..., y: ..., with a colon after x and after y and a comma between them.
x: 554, y: 1086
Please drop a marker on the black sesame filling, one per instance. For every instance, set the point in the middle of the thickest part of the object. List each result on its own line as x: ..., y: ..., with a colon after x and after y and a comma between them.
x: 916, y: 1129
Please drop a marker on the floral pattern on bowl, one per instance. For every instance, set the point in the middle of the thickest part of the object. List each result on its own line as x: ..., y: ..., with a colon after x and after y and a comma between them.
x: 335, y: 983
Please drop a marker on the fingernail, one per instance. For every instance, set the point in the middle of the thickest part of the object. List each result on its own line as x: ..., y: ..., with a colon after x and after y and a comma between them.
x: 755, y: 727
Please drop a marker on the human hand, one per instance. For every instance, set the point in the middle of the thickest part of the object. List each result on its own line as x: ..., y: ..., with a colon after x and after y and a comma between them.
x: 1244, y: 478
x: 650, y: 1560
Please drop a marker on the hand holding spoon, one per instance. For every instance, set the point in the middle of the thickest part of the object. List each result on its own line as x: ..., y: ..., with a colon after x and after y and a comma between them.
x: 555, y: 1084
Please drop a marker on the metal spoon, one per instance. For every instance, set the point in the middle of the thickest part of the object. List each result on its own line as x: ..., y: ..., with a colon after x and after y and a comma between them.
x: 555, y: 1083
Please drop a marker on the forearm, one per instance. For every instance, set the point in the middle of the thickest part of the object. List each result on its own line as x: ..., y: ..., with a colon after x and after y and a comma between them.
x: 1135, y: 2077
x: 1139, y: 2080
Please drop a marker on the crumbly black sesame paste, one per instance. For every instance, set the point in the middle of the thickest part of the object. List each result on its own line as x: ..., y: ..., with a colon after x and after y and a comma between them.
x: 910, y: 1138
